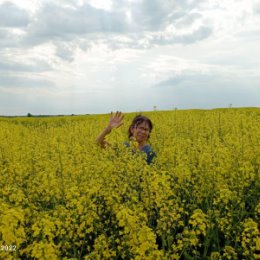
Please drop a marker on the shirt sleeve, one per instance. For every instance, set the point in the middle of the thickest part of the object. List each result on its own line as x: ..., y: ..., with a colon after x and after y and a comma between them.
x: 150, y: 156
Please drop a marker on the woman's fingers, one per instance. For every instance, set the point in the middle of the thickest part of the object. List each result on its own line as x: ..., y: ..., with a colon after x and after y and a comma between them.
x: 120, y: 118
x: 118, y: 114
x: 117, y: 118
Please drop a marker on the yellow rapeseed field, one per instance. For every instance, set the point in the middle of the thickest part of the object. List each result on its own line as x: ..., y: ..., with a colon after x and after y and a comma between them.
x: 63, y: 197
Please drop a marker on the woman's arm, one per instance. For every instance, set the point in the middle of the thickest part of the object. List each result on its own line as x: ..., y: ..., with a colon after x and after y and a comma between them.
x: 101, y: 137
x: 115, y: 121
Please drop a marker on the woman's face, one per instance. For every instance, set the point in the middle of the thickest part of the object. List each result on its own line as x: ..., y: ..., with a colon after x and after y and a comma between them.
x: 141, y: 132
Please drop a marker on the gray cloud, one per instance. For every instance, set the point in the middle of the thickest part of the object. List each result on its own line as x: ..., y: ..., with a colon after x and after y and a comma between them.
x: 57, y: 22
x: 9, y: 39
x: 184, y: 78
x: 82, y: 25
x: 11, y: 81
x: 207, y: 80
x: 65, y: 51
x: 257, y: 8
x: 24, y: 102
x: 148, y: 40
x: 3, y: 33
x: 65, y: 23
x: 35, y: 66
x: 199, y: 34
x: 151, y: 15
x: 13, y: 16
x: 187, y: 20
x: 190, y: 90
x: 223, y: 70
x: 250, y: 34
x: 155, y: 14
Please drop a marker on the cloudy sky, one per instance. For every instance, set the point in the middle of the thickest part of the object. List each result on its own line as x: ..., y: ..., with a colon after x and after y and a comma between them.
x: 97, y: 56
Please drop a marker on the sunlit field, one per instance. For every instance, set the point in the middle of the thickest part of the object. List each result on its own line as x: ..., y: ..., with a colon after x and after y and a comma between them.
x: 64, y: 197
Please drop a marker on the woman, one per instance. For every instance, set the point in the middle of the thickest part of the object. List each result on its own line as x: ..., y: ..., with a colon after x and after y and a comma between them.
x: 139, y: 131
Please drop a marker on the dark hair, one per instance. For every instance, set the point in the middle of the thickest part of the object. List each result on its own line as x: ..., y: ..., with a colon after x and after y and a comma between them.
x: 139, y: 119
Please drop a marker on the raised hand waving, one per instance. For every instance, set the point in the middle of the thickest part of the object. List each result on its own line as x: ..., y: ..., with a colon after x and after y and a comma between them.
x: 116, y: 119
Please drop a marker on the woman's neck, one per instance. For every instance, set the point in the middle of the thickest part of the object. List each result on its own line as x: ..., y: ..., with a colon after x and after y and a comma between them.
x: 141, y: 145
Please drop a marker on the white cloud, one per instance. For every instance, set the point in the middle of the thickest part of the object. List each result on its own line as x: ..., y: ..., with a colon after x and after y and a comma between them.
x: 13, y: 16
x: 99, y: 55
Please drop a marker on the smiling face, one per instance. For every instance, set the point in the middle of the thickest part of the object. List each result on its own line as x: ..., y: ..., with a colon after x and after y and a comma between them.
x: 140, y: 129
x: 141, y: 132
